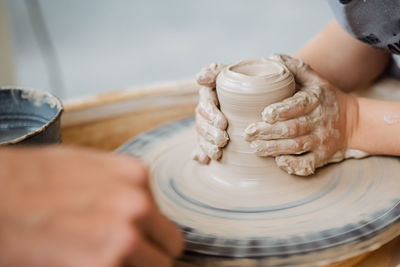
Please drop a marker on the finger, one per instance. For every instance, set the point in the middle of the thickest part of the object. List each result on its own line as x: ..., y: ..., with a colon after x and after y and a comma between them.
x: 210, y: 133
x: 163, y: 233
x: 213, y: 115
x: 144, y: 254
x: 280, y: 130
x: 158, y: 229
x: 301, y: 71
x: 302, y: 165
x: 300, y: 104
x: 126, y: 169
x: 211, y: 150
x: 114, y: 166
x: 208, y: 74
x: 140, y: 176
x: 208, y: 95
x: 208, y: 108
x: 297, y: 145
x: 200, y: 156
x: 125, y: 202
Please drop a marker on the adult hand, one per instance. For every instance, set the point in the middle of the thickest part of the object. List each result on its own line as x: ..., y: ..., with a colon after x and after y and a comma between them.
x: 309, y: 129
x: 73, y: 207
x: 211, y: 124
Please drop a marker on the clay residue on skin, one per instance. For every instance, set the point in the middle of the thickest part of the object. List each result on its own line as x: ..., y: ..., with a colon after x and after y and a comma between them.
x: 317, y: 124
x: 305, y: 100
x: 355, y: 154
x: 212, y: 134
x: 208, y: 75
x: 210, y: 122
x: 392, y: 118
x: 199, y: 155
x: 300, y: 130
x: 40, y: 97
x: 208, y: 106
x: 209, y: 149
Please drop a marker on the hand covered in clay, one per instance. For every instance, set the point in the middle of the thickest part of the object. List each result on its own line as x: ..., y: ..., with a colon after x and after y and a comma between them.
x: 211, y: 124
x: 307, y: 130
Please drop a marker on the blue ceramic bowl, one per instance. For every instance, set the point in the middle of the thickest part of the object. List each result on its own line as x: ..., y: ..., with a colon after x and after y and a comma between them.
x: 29, y: 117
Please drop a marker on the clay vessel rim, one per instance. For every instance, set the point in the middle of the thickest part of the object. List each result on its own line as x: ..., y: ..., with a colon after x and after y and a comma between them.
x: 240, y: 83
x: 248, y: 88
x: 281, y: 75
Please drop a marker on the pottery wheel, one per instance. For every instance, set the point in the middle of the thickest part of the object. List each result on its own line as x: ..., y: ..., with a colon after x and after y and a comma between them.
x: 344, y: 210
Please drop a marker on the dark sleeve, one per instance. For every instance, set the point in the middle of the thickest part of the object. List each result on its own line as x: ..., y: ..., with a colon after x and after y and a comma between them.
x: 375, y: 22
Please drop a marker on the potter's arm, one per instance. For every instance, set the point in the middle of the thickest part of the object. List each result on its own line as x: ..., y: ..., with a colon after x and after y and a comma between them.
x: 376, y: 129
x: 344, y: 61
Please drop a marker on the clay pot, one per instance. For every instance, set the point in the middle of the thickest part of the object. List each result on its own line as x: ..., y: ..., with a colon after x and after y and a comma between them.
x: 244, y: 89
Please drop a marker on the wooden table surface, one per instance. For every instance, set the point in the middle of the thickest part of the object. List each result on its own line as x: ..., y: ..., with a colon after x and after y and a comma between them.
x: 106, y: 121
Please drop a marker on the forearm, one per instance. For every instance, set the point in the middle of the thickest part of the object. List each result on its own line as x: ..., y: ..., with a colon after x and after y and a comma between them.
x: 377, y: 127
x: 344, y: 61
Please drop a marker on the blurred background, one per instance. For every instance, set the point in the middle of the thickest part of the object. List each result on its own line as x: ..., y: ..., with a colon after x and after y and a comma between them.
x: 75, y: 48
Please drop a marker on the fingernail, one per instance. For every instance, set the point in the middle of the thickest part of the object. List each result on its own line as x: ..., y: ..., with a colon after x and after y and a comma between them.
x: 221, y: 122
x: 307, y: 145
x: 269, y: 115
x: 216, y: 155
x: 254, y: 146
x: 251, y: 129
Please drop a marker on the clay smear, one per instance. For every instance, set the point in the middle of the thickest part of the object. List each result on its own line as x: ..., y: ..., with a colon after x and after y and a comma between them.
x: 39, y: 98
x: 392, y: 118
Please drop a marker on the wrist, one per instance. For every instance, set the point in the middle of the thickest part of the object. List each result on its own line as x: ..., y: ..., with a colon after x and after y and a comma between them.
x: 351, y: 120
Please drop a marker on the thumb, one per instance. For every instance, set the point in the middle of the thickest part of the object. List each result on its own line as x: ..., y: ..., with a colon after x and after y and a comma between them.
x: 208, y: 74
x: 301, y: 71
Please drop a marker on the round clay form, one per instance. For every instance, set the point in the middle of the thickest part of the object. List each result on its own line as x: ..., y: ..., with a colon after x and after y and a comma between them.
x: 244, y: 89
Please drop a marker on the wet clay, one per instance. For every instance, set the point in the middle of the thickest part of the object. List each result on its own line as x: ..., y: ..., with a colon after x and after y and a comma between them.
x: 391, y: 118
x: 39, y: 98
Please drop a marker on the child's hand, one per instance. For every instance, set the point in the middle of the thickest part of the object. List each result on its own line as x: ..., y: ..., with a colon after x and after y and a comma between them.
x: 211, y: 124
x: 309, y: 129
